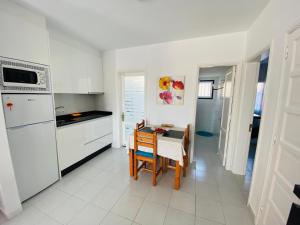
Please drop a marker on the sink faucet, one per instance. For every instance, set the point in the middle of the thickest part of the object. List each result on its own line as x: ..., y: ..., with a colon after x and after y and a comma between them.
x: 60, y: 107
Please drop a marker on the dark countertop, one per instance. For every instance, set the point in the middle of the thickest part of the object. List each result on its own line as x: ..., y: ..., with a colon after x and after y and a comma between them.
x: 68, y: 119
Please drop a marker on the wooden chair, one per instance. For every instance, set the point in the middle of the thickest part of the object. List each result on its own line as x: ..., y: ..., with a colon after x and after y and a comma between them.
x: 131, y: 156
x: 148, y: 140
x: 186, y: 145
x: 140, y: 125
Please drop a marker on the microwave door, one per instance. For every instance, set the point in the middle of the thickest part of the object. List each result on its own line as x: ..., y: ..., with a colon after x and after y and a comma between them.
x: 19, y: 78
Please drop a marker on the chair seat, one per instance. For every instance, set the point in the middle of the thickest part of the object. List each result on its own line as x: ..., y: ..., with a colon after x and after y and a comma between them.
x: 145, y: 154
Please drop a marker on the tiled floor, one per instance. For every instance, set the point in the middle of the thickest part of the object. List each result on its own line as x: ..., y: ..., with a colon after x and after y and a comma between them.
x: 102, y: 193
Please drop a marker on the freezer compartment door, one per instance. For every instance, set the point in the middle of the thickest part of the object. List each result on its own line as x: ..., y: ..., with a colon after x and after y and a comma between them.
x: 34, y: 156
x: 23, y: 109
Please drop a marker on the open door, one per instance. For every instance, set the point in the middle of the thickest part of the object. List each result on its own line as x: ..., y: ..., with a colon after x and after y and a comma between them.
x: 226, y: 113
x: 246, y: 116
x: 285, y: 164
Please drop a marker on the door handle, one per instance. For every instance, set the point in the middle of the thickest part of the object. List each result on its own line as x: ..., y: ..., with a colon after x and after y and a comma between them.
x: 250, y: 127
x: 123, y: 116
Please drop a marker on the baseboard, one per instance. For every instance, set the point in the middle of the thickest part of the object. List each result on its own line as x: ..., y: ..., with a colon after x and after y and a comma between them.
x: 84, y: 160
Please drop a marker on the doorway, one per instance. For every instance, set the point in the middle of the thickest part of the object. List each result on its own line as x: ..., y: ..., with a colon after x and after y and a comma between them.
x: 214, y: 103
x: 257, y: 113
x: 133, y: 102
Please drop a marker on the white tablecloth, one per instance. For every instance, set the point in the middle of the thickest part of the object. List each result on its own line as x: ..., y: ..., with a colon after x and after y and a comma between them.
x: 171, y: 148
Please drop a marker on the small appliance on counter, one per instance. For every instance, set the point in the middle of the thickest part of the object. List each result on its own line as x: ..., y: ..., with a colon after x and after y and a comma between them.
x: 29, y: 116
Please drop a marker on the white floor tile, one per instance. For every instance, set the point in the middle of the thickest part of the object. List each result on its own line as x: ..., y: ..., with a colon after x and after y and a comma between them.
x: 67, y: 210
x: 210, y: 210
x: 101, y: 179
x: 29, y: 216
x: 46, y: 220
x: 90, y: 215
x: 128, y: 206
x: 107, y: 197
x: 160, y: 195
x: 88, y: 191
x: 183, y: 201
x: 201, y: 221
x: 178, y: 217
x: 112, y: 219
x: 151, y: 214
x: 236, y: 215
x: 49, y: 199
x: 208, y: 192
x: 70, y: 185
x: 139, y: 189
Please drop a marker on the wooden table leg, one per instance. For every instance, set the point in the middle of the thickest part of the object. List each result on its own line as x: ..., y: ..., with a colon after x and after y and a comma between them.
x: 177, y: 176
x: 131, y: 163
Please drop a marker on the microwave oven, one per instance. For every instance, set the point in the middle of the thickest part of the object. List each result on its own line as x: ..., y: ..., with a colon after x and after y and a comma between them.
x: 19, y: 76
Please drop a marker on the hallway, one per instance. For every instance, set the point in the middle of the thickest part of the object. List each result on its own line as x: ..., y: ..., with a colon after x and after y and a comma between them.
x: 220, y: 195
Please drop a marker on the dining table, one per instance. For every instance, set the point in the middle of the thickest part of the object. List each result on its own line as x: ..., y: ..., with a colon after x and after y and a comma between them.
x: 170, y: 145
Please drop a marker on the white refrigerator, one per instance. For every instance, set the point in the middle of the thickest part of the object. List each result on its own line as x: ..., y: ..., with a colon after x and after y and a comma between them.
x: 31, y: 134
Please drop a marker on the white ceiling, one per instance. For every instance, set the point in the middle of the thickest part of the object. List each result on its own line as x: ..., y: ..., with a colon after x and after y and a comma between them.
x: 111, y: 24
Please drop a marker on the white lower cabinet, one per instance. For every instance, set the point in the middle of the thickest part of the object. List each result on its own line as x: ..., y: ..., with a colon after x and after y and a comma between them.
x: 77, y: 141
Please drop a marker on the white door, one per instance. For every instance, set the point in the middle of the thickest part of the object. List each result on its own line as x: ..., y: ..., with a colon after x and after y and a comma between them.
x: 133, y: 106
x: 226, y: 112
x: 285, y: 168
x: 246, y: 117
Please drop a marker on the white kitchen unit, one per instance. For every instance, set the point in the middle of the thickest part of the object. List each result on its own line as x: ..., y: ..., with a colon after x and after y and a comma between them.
x: 23, y: 38
x: 79, y: 140
x: 74, y: 69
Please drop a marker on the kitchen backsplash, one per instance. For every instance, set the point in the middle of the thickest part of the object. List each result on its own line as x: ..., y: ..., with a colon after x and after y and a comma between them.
x: 74, y: 103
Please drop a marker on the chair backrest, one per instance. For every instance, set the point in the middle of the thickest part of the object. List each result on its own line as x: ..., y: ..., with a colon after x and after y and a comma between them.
x: 187, y: 137
x: 140, y: 125
x: 145, y: 139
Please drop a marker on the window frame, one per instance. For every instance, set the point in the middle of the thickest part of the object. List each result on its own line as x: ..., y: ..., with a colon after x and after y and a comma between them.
x: 212, y: 89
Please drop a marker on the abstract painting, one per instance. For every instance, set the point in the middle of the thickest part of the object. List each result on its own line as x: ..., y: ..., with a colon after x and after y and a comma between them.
x: 171, y: 90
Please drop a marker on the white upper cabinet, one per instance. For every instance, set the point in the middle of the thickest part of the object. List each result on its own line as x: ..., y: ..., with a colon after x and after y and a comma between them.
x: 74, y: 70
x: 23, y: 40
x: 95, y: 74
x: 61, y: 66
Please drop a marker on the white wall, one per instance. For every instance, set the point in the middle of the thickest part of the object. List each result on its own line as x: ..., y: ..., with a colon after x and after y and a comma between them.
x: 75, y: 103
x: 269, y: 29
x: 178, y: 58
x: 209, y: 111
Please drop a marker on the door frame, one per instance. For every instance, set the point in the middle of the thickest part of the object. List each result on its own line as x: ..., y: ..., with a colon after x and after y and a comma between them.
x: 235, y: 106
x: 120, y: 97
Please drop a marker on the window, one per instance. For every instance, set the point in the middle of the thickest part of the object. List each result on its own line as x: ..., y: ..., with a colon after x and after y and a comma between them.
x: 205, y: 89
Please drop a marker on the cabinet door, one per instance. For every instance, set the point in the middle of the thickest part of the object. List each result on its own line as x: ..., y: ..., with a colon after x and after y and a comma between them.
x: 23, y: 40
x: 98, y: 134
x: 60, y: 67
x: 97, y: 128
x: 79, y: 71
x: 70, y: 143
x: 95, y: 73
